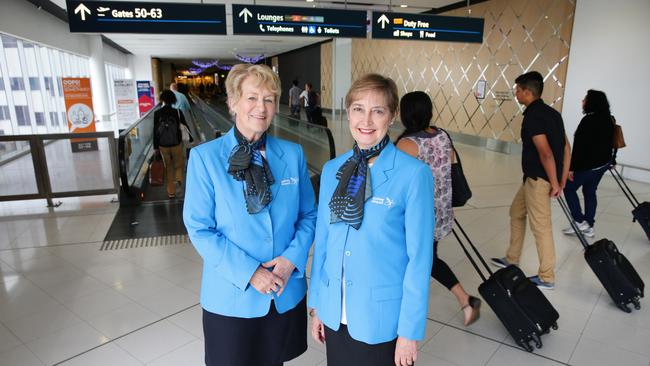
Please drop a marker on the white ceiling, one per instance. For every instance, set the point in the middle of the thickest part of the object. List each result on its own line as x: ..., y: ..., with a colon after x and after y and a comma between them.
x: 168, y: 46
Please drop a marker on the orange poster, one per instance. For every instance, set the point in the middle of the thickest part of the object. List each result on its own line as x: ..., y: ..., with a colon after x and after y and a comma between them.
x: 79, y: 111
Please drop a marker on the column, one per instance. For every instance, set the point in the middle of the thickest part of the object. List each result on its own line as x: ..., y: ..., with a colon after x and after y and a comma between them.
x: 341, y: 73
x: 98, y: 78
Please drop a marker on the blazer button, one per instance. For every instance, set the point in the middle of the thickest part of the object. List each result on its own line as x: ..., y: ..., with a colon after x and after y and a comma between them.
x: 347, y: 253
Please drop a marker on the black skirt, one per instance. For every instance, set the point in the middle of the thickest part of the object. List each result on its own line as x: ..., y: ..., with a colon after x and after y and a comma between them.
x: 265, y: 341
x: 343, y: 350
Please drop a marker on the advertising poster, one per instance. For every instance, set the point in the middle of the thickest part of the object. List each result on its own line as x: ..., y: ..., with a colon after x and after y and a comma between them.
x: 79, y: 111
x: 126, y: 105
x: 145, y: 97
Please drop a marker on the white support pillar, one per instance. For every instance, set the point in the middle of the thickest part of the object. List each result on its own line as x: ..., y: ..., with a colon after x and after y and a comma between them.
x: 341, y: 73
x: 98, y: 78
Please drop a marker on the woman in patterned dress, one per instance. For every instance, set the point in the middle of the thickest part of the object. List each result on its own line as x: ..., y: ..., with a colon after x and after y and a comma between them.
x: 433, y: 146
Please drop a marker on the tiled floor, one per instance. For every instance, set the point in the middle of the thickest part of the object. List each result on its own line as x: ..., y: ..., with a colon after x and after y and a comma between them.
x: 62, y: 301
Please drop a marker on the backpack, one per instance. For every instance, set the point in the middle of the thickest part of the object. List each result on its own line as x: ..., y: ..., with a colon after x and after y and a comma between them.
x: 318, y: 118
x: 312, y: 99
x: 168, y: 130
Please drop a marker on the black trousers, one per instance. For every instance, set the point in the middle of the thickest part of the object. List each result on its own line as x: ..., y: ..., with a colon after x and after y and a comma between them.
x: 265, y: 341
x: 343, y: 350
x: 441, y: 271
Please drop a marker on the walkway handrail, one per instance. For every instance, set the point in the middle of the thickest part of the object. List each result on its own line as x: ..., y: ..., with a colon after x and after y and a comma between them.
x: 326, y: 130
x: 122, y: 149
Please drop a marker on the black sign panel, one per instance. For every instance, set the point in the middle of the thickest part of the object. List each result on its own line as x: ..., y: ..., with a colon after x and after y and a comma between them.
x: 145, y: 17
x: 422, y: 27
x: 307, y: 22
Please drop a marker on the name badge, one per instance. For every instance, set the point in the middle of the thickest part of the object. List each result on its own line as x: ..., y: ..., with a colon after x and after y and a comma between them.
x: 289, y: 181
x: 385, y: 201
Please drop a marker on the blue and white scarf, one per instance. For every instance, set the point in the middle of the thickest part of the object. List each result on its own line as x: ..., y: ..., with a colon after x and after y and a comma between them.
x: 354, y: 187
x: 247, y: 164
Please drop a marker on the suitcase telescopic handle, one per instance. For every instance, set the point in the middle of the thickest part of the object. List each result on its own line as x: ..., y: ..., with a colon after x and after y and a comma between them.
x: 624, y: 187
x: 567, y: 213
x: 468, y: 254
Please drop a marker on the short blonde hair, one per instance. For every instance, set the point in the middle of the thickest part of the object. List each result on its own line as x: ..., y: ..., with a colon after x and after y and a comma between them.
x: 374, y: 82
x: 261, y: 73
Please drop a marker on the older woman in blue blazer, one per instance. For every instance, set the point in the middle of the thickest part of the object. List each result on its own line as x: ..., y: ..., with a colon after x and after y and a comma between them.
x: 250, y: 213
x: 373, y: 255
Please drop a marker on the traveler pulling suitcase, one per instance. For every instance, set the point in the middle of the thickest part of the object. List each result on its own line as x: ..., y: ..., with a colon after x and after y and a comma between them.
x: 641, y: 211
x: 520, y: 305
x: 156, y: 171
x: 614, y: 271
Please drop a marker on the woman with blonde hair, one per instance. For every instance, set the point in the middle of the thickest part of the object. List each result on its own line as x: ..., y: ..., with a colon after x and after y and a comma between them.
x: 250, y: 213
x: 372, y: 251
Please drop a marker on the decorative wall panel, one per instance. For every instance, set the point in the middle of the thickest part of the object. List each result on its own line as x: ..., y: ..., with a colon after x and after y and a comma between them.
x: 326, y: 74
x: 519, y: 36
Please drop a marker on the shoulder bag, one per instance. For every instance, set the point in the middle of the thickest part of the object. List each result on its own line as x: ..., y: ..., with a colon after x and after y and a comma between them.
x: 460, y: 191
x: 618, y: 139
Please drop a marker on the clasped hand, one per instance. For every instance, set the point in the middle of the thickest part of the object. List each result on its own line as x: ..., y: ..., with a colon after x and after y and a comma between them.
x: 272, y: 276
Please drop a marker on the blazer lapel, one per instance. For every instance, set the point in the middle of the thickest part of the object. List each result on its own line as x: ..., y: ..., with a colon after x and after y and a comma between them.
x: 229, y: 143
x: 384, y: 163
x: 275, y: 157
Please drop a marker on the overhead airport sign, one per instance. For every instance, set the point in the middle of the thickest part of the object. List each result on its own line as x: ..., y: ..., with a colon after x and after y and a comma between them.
x: 289, y: 21
x: 421, y: 27
x: 145, y: 17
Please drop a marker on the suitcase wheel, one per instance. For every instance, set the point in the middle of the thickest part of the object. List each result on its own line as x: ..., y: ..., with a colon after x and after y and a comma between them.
x: 537, y: 341
x: 525, y: 345
x: 554, y: 326
x: 637, y: 304
x: 624, y: 308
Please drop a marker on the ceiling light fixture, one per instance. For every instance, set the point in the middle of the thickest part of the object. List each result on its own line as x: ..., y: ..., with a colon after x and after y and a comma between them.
x: 403, y: 6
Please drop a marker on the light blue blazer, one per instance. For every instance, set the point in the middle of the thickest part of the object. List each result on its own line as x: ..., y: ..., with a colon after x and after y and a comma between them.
x: 234, y: 243
x: 387, y: 261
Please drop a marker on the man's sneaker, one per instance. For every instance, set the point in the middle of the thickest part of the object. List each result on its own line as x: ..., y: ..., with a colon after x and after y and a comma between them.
x: 541, y: 284
x: 500, y: 262
x: 589, y: 232
x: 582, y: 226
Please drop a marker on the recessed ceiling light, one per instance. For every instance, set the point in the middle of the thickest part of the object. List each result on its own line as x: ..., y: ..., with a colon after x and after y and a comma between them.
x: 309, y: 1
x: 403, y: 6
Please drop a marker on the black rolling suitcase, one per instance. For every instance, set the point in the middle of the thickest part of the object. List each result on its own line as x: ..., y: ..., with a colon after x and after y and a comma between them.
x: 520, y: 305
x: 615, y: 272
x: 641, y: 211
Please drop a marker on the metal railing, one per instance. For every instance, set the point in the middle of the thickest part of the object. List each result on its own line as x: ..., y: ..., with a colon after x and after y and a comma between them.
x: 134, y: 149
x: 55, y: 171
x: 317, y: 141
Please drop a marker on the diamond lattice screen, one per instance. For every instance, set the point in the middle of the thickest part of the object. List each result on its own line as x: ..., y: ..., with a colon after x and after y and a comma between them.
x: 519, y: 36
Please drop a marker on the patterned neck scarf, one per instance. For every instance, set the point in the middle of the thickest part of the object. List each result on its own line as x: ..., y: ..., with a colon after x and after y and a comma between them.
x: 247, y: 164
x: 354, y: 186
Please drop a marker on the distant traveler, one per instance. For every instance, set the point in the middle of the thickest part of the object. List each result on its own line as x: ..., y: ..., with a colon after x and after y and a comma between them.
x: 545, y: 163
x: 294, y: 100
x: 591, y: 157
x: 310, y: 100
x: 433, y: 147
x: 167, y: 140
x: 250, y: 213
x: 181, y: 101
x: 201, y: 89
x: 372, y: 258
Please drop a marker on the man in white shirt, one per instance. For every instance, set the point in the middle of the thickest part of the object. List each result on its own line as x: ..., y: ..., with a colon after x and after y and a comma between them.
x: 304, y: 96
